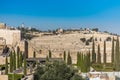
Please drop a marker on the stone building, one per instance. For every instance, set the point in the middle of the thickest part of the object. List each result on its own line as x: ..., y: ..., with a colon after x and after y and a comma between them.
x: 2, y: 25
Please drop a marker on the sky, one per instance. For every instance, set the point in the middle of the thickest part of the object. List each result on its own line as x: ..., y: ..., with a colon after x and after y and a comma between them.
x: 53, y: 14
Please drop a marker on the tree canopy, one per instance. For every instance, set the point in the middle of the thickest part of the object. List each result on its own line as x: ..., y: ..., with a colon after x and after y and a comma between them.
x: 56, y: 70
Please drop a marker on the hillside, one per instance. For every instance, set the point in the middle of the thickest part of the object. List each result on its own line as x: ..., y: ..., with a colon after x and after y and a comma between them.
x: 72, y: 41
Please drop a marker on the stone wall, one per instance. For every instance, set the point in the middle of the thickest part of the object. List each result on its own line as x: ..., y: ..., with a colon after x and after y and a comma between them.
x: 11, y: 36
x: 3, y: 77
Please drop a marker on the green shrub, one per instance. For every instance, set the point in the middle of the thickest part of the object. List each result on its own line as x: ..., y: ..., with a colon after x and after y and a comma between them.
x: 98, y: 66
x: 83, y: 39
x: 15, y: 76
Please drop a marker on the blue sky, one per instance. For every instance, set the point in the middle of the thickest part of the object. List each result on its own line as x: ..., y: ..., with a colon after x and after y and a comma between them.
x: 52, y: 14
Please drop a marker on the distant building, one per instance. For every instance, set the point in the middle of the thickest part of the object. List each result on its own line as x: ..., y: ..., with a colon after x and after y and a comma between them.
x: 60, y: 30
x: 2, y: 26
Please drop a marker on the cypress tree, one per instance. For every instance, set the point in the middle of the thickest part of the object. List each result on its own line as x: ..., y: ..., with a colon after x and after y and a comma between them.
x: 80, y: 60
x: 112, y: 54
x: 64, y: 56
x: 18, y: 52
x: 69, y: 60
x: 6, y: 66
x: 104, y: 56
x: 21, y: 59
x: 78, y: 57
x: 88, y: 61
x: 50, y: 54
x: 18, y: 49
x: 85, y: 63
x: 117, y: 57
x: 82, y: 63
x: 11, y: 62
x: 99, y: 55
x: 18, y: 60
x: 34, y: 54
x: 93, y: 52
x: 47, y: 58
x: 25, y: 65
x: 14, y: 61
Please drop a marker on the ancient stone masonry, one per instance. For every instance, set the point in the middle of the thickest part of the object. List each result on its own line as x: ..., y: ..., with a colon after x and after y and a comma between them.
x: 11, y: 37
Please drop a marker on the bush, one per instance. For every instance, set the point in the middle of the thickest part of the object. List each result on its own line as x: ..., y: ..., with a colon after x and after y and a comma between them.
x: 98, y: 65
x: 90, y: 40
x: 87, y: 43
x: 56, y: 70
x: 2, y: 67
x: 95, y: 39
x: 95, y: 29
x: 83, y: 39
x: 108, y: 39
x: 15, y: 76
x: 103, y: 67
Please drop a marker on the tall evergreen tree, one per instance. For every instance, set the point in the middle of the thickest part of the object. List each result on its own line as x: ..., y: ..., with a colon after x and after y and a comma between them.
x: 21, y: 59
x: 79, y: 62
x: 25, y: 65
x: 6, y: 66
x: 99, y: 55
x: 18, y: 60
x: 34, y: 54
x: 11, y: 62
x: 14, y: 61
x: 18, y: 52
x: 112, y: 54
x: 50, y: 54
x: 85, y: 63
x: 93, y: 52
x: 69, y: 60
x: 64, y: 56
x: 117, y: 56
x: 104, y: 56
x: 78, y: 57
x: 47, y: 58
x: 88, y: 61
